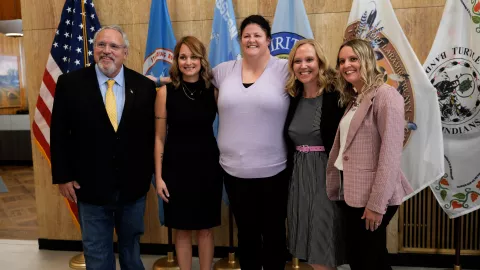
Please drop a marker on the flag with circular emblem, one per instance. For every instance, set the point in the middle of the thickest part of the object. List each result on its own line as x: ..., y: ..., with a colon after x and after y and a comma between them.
x: 422, y: 156
x: 453, y: 67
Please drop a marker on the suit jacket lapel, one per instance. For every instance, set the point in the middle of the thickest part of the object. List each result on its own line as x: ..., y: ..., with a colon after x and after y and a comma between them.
x: 129, y: 96
x: 359, y: 116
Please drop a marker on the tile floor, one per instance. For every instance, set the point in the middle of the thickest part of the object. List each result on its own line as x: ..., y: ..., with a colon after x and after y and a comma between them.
x: 24, y: 255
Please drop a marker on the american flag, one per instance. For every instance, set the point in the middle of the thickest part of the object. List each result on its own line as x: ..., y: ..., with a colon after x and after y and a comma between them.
x: 72, y: 49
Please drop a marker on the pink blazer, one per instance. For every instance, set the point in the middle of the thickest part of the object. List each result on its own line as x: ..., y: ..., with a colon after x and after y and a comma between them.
x: 372, y: 155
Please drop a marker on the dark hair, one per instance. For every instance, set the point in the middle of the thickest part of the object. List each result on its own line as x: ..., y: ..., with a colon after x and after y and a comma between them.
x: 260, y: 21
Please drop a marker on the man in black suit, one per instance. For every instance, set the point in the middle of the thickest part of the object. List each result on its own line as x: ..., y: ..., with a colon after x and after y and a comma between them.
x: 102, y: 139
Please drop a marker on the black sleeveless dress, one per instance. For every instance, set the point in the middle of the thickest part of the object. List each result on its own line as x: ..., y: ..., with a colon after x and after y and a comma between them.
x: 190, y: 165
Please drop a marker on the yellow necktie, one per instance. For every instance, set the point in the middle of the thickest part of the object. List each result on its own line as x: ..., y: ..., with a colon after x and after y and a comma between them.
x: 111, y: 104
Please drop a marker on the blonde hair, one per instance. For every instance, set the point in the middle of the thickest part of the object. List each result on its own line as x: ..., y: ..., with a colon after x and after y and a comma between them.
x: 326, y: 75
x: 371, y: 76
x: 198, y: 49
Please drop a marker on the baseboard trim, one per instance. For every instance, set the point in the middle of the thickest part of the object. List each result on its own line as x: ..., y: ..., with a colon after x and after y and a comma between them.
x: 145, y: 248
x: 16, y: 163
x: 434, y: 260
x: 399, y: 259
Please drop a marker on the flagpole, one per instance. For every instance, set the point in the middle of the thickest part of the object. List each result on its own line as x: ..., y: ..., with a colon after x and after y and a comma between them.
x: 169, y: 262
x: 229, y: 263
x: 85, y: 37
x: 77, y: 262
x: 457, y: 242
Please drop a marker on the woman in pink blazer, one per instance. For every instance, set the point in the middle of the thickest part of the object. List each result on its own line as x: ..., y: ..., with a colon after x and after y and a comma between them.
x: 363, y: 170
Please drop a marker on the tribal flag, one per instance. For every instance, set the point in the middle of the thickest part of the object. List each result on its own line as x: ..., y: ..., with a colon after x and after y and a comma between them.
x: 160, y: 41
x: 422, y: 159
x: 223, y: 45
x: 159, y: 57
x: 453, y: 67
x: 290, y: 24
x: 72, y: 49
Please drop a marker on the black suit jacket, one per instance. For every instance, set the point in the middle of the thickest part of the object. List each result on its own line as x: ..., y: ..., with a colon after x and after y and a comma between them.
x: 332, y: 113
x: 85, y: 148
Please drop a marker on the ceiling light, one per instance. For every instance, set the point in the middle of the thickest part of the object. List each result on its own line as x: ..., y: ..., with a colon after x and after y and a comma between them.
x: 14, y: 34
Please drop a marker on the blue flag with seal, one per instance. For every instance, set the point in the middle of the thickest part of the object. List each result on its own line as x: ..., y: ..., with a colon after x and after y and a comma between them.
x: 223, y: 44
x: 160, y: 41
x: 159, y: 56
x: 290, y: 24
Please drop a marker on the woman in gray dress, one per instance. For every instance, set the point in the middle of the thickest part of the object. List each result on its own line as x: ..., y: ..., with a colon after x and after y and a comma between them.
x: 314, y: 222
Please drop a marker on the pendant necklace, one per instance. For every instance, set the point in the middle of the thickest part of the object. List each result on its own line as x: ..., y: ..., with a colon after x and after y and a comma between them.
x: 356, y: 102
x: 190, y: 93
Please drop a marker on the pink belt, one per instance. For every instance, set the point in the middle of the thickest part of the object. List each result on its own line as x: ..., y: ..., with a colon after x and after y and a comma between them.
x: 308, y: 148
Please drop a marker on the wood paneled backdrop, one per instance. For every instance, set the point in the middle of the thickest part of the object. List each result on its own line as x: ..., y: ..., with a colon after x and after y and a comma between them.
x: 419, y: 19
x: 10, y: 10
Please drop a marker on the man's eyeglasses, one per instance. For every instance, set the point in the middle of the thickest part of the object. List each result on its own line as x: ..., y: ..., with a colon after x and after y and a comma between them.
x: 113, y: 46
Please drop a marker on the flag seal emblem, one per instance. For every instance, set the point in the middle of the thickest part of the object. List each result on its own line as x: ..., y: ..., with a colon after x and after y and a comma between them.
x: 282, y: 43
x: 455, y: 76
x: 160, y: 54
x: 389, y: 61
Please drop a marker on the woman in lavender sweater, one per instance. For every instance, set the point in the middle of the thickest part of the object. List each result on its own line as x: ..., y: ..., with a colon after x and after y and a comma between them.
x: 252, y: 107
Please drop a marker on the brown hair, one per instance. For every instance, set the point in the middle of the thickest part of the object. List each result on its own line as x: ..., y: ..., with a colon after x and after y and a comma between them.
x: 371, y: 76
x: 198, y: 49
x: 326, y: 75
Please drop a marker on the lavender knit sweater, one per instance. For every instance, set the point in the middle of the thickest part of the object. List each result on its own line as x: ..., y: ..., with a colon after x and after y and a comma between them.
x: 250, y: 135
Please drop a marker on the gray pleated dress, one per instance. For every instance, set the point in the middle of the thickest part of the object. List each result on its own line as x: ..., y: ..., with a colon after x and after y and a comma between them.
x: 314, y: 222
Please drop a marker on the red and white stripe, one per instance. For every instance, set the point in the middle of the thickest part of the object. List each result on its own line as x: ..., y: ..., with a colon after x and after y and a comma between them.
x: 43, y: 110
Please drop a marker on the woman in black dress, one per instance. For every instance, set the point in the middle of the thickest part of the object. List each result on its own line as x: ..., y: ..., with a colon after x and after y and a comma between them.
x: 186, y: 160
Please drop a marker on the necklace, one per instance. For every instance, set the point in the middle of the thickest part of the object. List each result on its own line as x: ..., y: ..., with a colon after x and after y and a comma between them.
x: 190, y: 93
x: 356, y: 102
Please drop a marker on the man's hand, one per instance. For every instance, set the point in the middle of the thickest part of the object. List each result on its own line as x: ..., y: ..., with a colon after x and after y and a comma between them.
x: 68, y: 190
x: 159, y: 81
x: 153, y: 78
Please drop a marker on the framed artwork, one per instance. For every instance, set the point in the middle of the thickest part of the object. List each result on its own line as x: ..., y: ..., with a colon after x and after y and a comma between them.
x: 9, y: 82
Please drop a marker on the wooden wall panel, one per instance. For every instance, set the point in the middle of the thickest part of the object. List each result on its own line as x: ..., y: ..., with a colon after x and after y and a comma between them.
x: 190, y: 10
x: 328, y: 30
x: 244, y: 8
x: 420, y: 19
x: 127, y: 12
x: 41, y: 15
x: 200, y: 29
x: 10, y: 10
x: 136, y: 35
x: 326, y: 6
x: 417, y: 3
x: 420, y: 34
